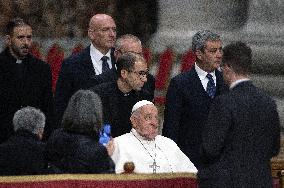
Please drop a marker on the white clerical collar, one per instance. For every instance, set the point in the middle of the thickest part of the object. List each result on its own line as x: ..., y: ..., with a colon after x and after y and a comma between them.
x: 234, y: 84
x: 19, y: 61
x: 202, y: 74
x: 96, y: 54
x: 142, y: 138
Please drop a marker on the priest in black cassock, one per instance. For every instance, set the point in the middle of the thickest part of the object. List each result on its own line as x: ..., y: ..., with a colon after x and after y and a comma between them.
x: 24, y: 79
x: 119, y: 97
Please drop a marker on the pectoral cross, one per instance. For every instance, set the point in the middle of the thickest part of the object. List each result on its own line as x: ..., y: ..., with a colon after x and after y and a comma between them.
x: 154, y: 166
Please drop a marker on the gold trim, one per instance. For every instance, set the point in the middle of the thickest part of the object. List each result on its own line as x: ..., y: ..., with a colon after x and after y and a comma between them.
x: 97, y: 177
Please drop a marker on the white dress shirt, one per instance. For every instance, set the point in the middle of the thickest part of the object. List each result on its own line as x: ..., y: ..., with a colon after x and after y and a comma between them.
x: 96, y: 56
x: 202, y: 76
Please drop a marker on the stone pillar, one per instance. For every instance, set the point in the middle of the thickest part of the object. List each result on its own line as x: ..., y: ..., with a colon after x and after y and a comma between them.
x: 266, y: 17
x: 179, y: 20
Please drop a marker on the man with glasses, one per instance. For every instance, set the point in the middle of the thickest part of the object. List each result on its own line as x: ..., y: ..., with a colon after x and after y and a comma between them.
x: 126, y: 43
x: 190, y: 94
x: 119, y: 97
x: 77, y: 70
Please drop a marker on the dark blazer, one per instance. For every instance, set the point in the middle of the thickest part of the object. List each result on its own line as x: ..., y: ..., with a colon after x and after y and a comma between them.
x: 186, y: 109
x: 22, y: 154
x: 77, y: 72
x: 239, y: 139
x: 27, y: 84
x: 70, y: 152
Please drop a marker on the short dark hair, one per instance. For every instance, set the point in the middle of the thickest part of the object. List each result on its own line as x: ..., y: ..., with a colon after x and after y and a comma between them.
x: 127, y: 62
x: 238, y: 56
x: 84, y: 113
x: 14, y: 23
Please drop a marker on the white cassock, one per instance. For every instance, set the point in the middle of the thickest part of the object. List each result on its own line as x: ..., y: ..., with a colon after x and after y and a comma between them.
x: 160, y: 155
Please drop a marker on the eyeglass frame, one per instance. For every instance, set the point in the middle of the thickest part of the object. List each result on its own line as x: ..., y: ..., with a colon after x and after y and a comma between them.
x: 141, y: 73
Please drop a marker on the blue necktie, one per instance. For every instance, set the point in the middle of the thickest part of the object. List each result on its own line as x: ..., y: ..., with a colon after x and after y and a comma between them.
x: 105, y: 66
x: 210, y: 89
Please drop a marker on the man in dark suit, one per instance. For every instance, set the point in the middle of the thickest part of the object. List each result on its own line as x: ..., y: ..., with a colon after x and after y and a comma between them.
x: 190, y: 94
x: 80, y: 70
x: 242, y: 133
x: 24, y: 79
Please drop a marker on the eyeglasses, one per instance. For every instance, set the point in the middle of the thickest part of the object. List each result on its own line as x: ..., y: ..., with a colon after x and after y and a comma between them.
x: 141, y: 74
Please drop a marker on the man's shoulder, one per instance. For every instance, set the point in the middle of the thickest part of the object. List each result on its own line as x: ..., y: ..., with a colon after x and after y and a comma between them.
x: 125, y: 138
x: 38, y: 61
x: 167, y: 141
x: 184, y: 76
x: 37, y: 64
x: 81, y: 56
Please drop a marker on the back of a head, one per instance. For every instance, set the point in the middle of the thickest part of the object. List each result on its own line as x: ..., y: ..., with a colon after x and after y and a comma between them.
x: 127, y: 37
x: 83, y: 114
x: 238, y: 56
x: 201, y: 37
x: 30, y: 119
x: 127, y: 62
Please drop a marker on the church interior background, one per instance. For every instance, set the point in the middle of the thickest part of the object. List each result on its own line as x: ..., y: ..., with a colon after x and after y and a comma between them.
x: 165, y: 27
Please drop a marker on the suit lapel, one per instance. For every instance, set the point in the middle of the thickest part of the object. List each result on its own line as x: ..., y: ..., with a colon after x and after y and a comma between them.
x: 86, y: 62
x: 198, y: 85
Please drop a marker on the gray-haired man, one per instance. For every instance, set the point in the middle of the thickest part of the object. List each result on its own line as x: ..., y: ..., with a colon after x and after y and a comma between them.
x: 22, y: 153
x: 190, y: 94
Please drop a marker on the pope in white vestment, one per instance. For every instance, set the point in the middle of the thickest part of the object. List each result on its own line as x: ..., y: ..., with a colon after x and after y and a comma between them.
x: 150, y: 153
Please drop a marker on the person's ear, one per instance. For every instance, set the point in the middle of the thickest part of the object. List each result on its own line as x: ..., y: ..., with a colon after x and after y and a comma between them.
x: 133, y: 121
x: 8, y: 40
x: 91, y: 34
x: 124, y: 73
x: 198, y: 54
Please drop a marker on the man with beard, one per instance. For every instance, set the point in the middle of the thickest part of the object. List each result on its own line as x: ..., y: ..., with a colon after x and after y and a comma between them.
x: 24, y: 80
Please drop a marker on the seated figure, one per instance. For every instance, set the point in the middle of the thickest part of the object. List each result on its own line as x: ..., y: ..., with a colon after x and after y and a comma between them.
x: 150, y: 152
x: 75, y: 147
x: 23, y: 152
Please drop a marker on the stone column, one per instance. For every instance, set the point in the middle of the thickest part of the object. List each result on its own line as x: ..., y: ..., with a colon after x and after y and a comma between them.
x: 179, y: 20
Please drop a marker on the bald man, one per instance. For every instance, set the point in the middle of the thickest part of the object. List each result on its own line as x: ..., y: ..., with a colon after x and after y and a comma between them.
x: 77, y: 70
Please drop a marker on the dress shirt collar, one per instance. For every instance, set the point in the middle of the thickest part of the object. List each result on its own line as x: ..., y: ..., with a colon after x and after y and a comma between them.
x: 96, y: 54
x: 234, y: 84
x: 202, y: 74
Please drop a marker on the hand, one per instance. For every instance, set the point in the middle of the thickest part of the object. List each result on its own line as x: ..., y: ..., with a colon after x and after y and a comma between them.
x: 110, y: 147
